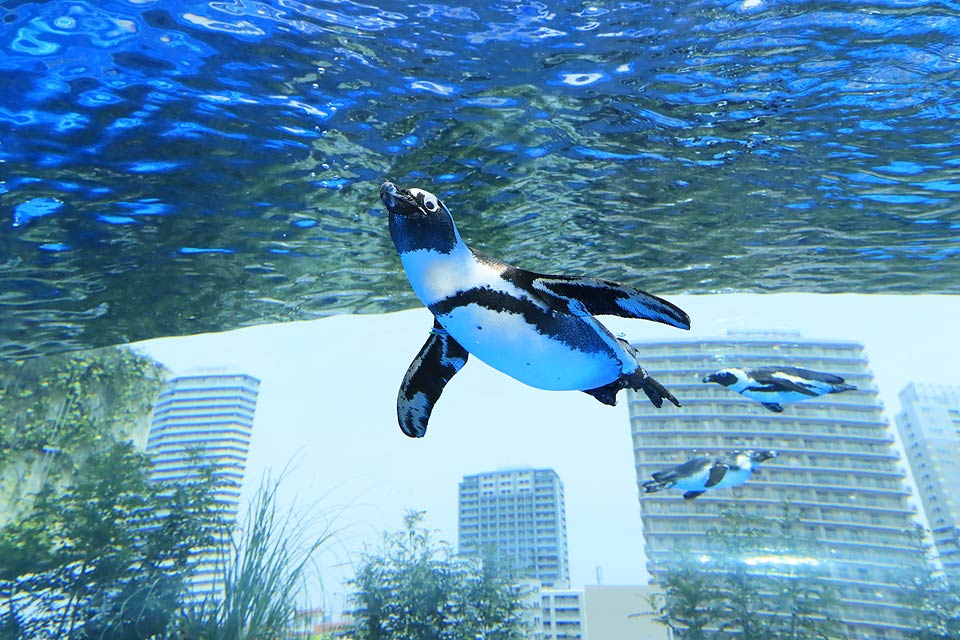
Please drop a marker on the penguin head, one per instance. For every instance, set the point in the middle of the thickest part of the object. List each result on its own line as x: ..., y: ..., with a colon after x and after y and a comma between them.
x: 759, y: 456
x: 726, y: 377
x: 418, y: 220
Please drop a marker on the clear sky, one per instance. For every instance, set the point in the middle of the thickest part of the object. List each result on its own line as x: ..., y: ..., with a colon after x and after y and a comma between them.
x: 327, y: 412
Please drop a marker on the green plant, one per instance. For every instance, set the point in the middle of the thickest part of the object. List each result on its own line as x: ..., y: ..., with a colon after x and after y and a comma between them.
x: 106, y: 556
x: 414, y: 588
x: 758, y: 578
x: 262, y: 576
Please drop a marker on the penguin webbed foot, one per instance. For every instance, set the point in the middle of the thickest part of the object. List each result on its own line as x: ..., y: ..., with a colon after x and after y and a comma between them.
x: 639, y: 381
x: 656, y: 391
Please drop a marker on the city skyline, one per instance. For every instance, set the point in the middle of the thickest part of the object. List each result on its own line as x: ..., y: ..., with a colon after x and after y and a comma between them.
x: 329, y: 387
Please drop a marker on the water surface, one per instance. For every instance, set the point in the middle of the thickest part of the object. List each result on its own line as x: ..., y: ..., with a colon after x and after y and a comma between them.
x: 171, y: 167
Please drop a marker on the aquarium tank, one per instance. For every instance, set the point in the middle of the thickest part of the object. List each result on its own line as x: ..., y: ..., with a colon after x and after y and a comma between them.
x: 515, y: 319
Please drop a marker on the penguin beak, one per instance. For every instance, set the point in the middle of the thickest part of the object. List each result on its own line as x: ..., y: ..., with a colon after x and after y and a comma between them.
x: 397, y: 201
x: 708, y: 378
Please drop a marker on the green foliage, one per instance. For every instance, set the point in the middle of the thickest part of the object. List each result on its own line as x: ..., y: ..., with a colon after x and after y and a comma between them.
x: 417, y: 589
x: 106, y: 557
x: 263, y: 577
x: 760, y: 579
x: 97, y: 549
x: 57, y: 411
x: 936, y: 606
x: 90, y: 548
x: 932, y: 597
x: 691, y: 602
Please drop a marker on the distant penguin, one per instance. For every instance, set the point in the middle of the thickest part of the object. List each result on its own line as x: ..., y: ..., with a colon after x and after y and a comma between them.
x: 700, y: 474
x: 771, y: 386
x: 538, y: 329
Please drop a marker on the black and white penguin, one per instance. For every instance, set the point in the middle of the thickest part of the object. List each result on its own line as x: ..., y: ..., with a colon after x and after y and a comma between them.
x: 700, y: 474
x: 538, y: 329
x: 771, y: 386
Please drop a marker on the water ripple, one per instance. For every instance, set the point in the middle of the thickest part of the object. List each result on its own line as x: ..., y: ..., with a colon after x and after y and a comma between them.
x: 233, y: 148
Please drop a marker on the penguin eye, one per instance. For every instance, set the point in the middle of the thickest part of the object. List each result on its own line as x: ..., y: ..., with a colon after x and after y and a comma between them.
x: 430, y: 202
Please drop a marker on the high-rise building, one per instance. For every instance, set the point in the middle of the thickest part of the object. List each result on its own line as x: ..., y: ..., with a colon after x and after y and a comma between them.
x: 517, y: 516
x: 838, y: 469
x: 929, y: 425
x: 205, y: 418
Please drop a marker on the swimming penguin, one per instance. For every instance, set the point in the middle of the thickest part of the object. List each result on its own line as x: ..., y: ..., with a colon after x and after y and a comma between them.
x: 697, y: 475
x: 538, y: 329
x: 772, y: 385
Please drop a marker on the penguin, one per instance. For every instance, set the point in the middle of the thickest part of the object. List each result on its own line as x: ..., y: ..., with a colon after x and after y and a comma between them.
x: 701, y: 474
x: 536, y: 328
x: 772, y: 385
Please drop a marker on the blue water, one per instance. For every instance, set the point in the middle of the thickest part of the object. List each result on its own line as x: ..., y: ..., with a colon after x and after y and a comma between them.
x: 173, y: 167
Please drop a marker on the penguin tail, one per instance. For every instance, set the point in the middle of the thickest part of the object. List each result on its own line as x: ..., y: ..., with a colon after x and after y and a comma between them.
x: 606, y: 394
x: 652, y: 486
x: 640, y: 380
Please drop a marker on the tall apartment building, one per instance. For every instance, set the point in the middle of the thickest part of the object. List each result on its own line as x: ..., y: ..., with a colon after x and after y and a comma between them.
x: 838, y: 468
x: 929, y: 425
x: 206, y: 417
x: 518, y: 516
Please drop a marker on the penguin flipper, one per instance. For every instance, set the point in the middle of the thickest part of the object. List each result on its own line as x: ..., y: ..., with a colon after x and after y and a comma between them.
x: 596, y: 297
x: 690, y: 495
x: 783, y: 381
x: 438, y: 361
x: 806, y: 374
x: 717, y: 472
x: 682, y: 470
x: 773, y: 406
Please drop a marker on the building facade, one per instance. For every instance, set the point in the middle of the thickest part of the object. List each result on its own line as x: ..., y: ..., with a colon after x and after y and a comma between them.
x: 562, y: 613
x: 838, y: 470
x: 600, y: 612
x: 518, y: 517
x: 621, y: 612
x: 929, y: 426
x: 205, y: 418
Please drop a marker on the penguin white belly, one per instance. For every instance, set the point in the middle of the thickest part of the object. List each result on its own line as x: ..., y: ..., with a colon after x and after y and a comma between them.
x: 510, y: 344
x: 587, y: 357
x: 776, y: 396
x: 733, y: 478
